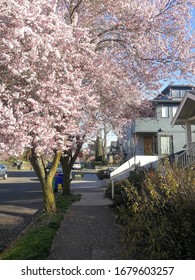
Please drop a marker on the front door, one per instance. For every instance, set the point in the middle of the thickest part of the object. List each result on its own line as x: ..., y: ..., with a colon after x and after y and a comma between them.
x: 148, y: 145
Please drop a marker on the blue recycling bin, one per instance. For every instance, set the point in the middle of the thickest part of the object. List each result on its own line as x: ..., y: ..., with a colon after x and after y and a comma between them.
x: 58, y: 180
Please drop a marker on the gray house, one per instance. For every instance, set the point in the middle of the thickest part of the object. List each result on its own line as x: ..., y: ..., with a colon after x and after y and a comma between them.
x: 170, y: 132
x: 156, y: 137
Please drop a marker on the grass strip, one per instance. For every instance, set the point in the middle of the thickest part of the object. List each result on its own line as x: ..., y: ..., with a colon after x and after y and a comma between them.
x: 35, y: 243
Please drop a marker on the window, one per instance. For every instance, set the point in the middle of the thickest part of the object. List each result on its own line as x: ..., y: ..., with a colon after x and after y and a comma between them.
x: 178, y: 93
x: 166, y: 145
x: 165, y: 111
x: 182, y: 92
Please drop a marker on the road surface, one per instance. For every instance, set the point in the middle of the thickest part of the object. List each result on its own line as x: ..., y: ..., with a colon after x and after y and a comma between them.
x: 20, y: 199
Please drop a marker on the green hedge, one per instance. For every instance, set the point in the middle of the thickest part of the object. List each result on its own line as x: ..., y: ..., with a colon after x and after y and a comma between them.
x: 159, y: 213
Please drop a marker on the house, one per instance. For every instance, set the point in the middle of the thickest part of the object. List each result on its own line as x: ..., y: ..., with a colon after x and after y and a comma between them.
x: 170, y: 132
x: 115, y: 154
x: 156, y: 136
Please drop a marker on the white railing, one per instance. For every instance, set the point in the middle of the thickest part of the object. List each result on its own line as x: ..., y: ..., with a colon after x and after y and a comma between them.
x: 123, y: 171
x: 187, y: 158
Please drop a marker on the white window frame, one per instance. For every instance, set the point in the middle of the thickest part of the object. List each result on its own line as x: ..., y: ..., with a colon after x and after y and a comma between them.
x: 166, y: 144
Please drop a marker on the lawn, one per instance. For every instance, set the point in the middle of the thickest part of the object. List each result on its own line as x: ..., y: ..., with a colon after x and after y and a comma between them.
x: 35, y: 243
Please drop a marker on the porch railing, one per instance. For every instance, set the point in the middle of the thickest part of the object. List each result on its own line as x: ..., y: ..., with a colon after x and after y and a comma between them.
x: 187, y: 158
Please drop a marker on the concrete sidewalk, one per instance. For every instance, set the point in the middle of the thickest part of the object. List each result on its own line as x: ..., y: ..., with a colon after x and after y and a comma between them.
x: 89, y: 231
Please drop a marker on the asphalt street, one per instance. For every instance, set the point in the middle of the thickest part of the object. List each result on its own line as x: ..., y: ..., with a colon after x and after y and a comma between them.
x: 20, y: 199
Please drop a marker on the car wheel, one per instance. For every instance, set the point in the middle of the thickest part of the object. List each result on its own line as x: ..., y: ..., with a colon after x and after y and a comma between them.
x: 5, y: 176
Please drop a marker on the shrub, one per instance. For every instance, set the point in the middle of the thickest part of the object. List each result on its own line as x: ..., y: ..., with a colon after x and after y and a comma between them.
x: 105, y: 161
x: 98, y: 163
x: 117, y: 189
x: 159, y: 214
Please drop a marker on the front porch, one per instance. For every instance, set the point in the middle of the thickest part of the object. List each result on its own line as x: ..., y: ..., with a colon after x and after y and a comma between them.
x: 187, y: 158
x: 185, y: 116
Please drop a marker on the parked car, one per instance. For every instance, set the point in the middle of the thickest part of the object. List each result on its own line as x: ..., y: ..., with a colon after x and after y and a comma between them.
x: 59, y: 168
x: 77, y: 165
x: 3, y: 171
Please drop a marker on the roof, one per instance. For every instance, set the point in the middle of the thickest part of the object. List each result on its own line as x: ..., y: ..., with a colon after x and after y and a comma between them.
x: 186, y: 110
x: 164, y: 96
x: 161, y: 98
x: 172, y: 86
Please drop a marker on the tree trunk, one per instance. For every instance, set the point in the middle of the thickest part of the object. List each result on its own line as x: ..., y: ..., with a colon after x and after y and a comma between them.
x: 46, y: 179
x: 66, y: 181
x: 48, y: 196
x: 67, y: 162
x: 105, y: 144
x: 99, y: 149
x: 66, y: 174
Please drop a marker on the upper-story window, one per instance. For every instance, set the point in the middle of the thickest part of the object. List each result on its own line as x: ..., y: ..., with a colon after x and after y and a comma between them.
x: 178, y: 93
x: 165, y: 112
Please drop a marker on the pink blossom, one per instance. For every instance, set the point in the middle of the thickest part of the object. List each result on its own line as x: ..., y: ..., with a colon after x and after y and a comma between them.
x: 68, y: 69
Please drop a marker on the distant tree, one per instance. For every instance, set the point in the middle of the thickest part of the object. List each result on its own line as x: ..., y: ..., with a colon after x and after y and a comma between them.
x: 98, y: 149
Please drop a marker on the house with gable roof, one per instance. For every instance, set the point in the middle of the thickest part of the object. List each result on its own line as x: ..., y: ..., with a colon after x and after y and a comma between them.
x: 149, y: 139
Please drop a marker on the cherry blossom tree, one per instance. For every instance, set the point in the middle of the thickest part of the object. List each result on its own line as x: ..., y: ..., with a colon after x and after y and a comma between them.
x: 69, y: 66
x: 140, y: 43
x: 152, y: 39
x: 43, y: 99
